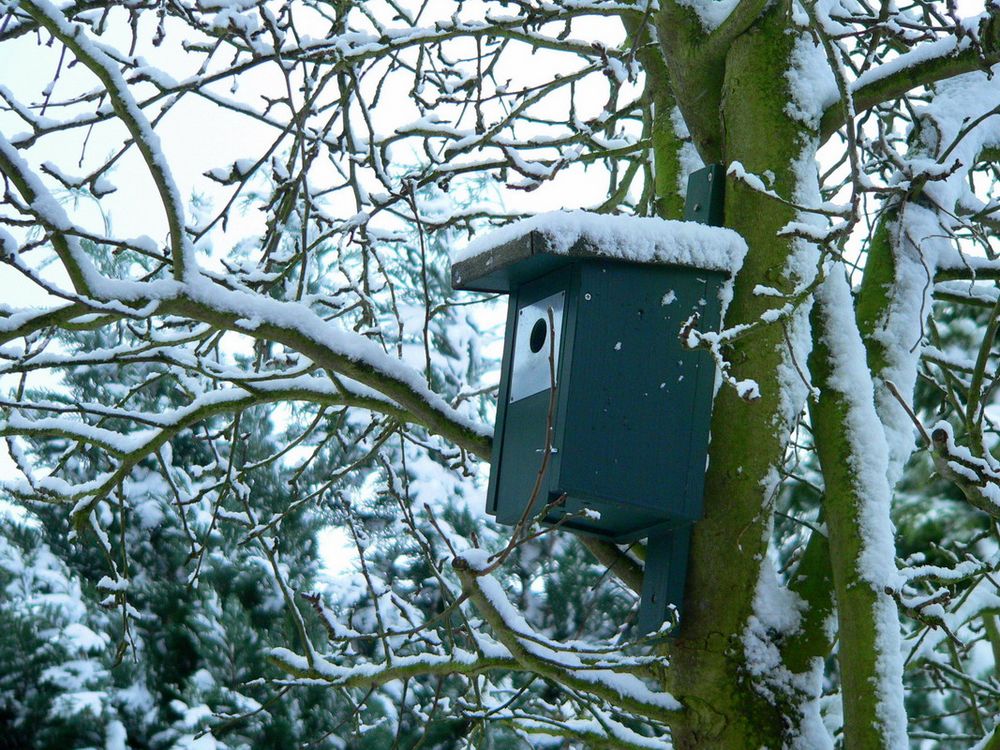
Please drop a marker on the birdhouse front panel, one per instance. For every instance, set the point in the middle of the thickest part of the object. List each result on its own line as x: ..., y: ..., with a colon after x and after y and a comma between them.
x: 528, y: 407
x: 634, y: 432
x: 627, y: 419
x: 537, y: 336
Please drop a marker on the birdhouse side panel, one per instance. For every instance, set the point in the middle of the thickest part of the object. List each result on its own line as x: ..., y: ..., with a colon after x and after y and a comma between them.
x: 503, y: 390
x: 538, y: 318
x: 701, y: 405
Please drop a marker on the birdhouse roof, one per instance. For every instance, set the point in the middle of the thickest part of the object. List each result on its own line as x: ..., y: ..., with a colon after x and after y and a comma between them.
x: 511, y: 255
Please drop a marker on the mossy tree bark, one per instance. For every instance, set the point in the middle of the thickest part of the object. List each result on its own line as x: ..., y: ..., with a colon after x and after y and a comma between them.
x: 744, y: 117
x: 866, y: 615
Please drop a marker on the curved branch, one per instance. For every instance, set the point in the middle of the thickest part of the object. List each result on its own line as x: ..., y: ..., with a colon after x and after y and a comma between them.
x: 458, y: 662
x: 697, y: 64
x: 921, y: 66
x: 49, y: 214
x: 977, y: 480
x: 616, y: 684
x: 696, y: 75
x: 587, y: 732
x: 26, y: 322
x: 135, y: 447
x: 132, y: 117
x: 332, y: 348
x: 739, y: 20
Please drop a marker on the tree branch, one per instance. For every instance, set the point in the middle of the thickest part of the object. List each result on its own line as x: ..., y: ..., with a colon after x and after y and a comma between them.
x: 921, y: 66
x: 129, y: 112
x: 857, y: 499
x: 600, y: 676
x: 617, y: 562
x: 739, y: 20
x: 402, y: 668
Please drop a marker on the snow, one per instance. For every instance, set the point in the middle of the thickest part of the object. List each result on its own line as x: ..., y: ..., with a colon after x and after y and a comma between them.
x: 777, y: 614
x: 563, y: 654
x: 811, y: 82
x: 918, y: 242
x: 112, y: 441
x: 82, y: 639
x: 195, y: 742
x: 737, y: 170
x: 478, y: 559
x: 962, y: 570
x: 711, y: 13
x: 967, y: 290
x: 921, y: 53
x: 687, y: 156
x: 775, y: 610
x: 116, y: 585
x: 968, y: 465
x: 203, y: 680
x: 869, y: 451
x: 604, y: 669
x: 921, y: 244
x: 799, y: 273
x: 338, y: 674
x: 636, y: 239
x: 603, y: 726
x: 77, y: 702
x: 116, y: 737
x: 980, y: 597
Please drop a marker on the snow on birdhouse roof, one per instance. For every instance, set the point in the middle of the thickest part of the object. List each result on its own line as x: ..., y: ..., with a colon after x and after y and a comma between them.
x: 525, y: 249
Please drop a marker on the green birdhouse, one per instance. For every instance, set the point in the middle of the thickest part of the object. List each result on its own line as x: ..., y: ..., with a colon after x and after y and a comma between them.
x: 603, y: 412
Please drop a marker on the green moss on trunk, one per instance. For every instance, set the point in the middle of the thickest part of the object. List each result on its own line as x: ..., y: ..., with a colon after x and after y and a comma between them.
x: 748, y: 439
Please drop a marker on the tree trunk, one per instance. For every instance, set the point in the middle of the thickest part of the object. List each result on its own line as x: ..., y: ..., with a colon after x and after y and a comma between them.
x: 726, y: 707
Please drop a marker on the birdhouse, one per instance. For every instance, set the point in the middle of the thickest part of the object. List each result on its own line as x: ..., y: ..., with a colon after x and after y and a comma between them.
x: 603, y: 411
x: 595, y: 375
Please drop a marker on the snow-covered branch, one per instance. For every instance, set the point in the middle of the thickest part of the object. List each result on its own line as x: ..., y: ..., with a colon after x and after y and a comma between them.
x: 129, y: 112
x: 615, y: 679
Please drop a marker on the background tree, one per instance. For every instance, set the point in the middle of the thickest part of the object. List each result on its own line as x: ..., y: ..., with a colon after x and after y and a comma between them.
x: 283, y: 348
